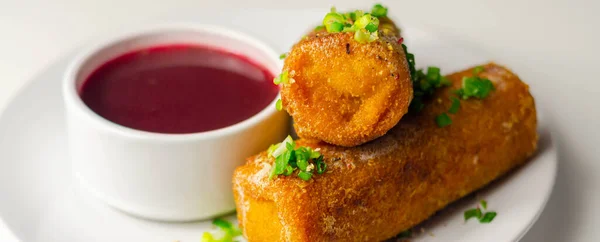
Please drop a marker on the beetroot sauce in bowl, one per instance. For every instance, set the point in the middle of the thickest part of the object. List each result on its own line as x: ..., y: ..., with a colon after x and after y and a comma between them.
x: 178, y: 89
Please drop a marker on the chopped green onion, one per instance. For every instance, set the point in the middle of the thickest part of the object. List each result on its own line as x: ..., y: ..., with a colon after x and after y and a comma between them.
x: 348, y: 29
x: 288, y: 170
x: 207, y: 237
x: 278, y: 167
x: 366, y: 19
x: 302, y: 164
x: 302, y: 154
x: 282, y: 78
x: 281, y: 147
x: 443, y: 120
x: 488, y: 217
x: 434, y: 76
x: 477, y: 70
x: 321, y: 166
x: 425, y: 85
x: 379, y: 10
x: 319, y: 28
x: 223, y: 224
x: 304, y: 175
x: 226, y: 232
x: 445, y: 82
x: 335, y: 27
x: 472, y: 213
x: 272, y: 149
x: 363, y: 36
x: 290, y: 146
x: 288, y: 158
x: 314, y: 154
x: 279, y: 105
x: 455, y: 105
x: 282, y: 56
x: 364, y: 26
x: 477, y: 213
x: 355, y: 14
x: 371, y: 27
x: 476, y: 87
x: 334, y: 21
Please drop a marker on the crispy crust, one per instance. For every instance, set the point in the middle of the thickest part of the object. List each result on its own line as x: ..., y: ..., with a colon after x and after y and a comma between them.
x: 374, y: 191
x: 344, y: 92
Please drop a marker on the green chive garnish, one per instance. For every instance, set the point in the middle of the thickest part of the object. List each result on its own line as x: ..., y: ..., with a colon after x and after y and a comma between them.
x: 302, y: 164
x: 477, y: 70
x: 227, y: 232
x: 434, y: 76
x: 363, y: 25
x: 379, y: 11
x: 278, y: 105
x: 443, y: 120
x: 282, y: 56
x: 455, y: 105
x: 335, y: 27
x: 488, y: 217
x: 304, y: 175
x: 288, y: 159
x: 282, y: 78
x: 445, y: 82
x: 472, y: 213
x: 319, y: 28
x: 334, y: 22
x: 424, y: 84
x: 483, y: 204
x: 482, y: 217
x: 364, y: 36
x: 223, y: 224
x: 355, y: 14
x: 288, y: 170
x: 272, y: 149
x: 365, y: 20
x: 321, y: 166
x: 371, y: 27
x: 475, y: 87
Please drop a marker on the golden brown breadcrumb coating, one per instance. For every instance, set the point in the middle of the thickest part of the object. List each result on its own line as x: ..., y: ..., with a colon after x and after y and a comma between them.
x: 344, y: 92
x: 374, y: 191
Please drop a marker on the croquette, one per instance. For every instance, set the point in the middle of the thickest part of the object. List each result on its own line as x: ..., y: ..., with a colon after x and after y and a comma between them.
x: 344, y: 92
x: 374, y: 191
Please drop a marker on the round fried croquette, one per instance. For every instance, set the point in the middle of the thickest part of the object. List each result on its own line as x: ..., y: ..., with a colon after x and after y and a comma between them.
x: 344, y: 92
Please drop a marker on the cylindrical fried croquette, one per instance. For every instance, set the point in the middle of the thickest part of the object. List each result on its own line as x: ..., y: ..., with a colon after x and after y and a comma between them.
x: 386, y: 24
x: 375, y: 191
x: 344, y: 92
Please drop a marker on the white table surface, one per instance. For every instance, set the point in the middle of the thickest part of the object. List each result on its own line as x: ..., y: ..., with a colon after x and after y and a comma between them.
x: 552, y: 44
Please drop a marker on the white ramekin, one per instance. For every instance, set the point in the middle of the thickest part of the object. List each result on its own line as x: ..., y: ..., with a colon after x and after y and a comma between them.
x: 169, y: 177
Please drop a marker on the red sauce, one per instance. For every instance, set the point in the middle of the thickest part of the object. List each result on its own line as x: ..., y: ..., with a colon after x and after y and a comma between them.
x: 178, y: 89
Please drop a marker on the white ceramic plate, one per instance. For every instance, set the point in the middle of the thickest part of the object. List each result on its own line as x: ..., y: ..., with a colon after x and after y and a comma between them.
x: 39, y: 202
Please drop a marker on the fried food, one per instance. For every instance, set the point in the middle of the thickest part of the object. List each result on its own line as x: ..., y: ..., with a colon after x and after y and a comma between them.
x: 344, y: 92
x: 386, y: 24
x: 375, y: 191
